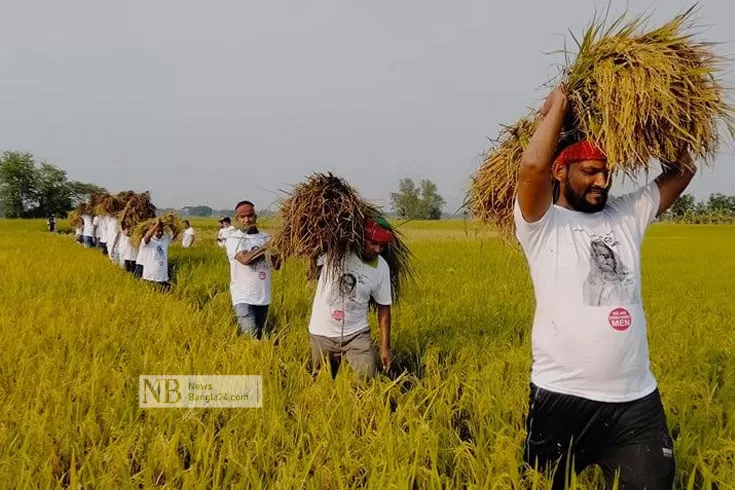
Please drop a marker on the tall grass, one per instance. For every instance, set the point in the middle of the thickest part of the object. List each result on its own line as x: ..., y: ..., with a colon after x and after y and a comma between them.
x: 77, y: 332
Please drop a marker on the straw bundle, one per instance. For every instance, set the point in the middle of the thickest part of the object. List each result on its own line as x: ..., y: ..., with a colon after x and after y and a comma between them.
x: 138, y: 208
x: 324, y: 216
x: 75, y: 217
x: 638, y: 95
x: 171, y: 226
x: 107, y: 204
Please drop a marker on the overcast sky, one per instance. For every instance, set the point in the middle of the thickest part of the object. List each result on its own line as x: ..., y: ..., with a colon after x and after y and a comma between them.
x: 210, y: 102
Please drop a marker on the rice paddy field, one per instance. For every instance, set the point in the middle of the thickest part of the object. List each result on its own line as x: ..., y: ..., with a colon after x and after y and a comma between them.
x: 77, y: 332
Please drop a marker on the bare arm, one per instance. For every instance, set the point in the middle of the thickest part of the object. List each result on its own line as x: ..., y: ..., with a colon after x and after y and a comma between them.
x: 535, y: 191
x: 674, y: 180
x: 248, y: 258
x: 384, y: 322
x: 149, y: 234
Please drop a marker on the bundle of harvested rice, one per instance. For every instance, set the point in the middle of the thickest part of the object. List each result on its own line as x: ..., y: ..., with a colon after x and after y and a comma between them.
x: 108, y: 204
x: 639, y: 96
x: 648, y: 95
x: 171, y: 226
x: 75, y: 217
x: 138, y: 208
x: 493, y: 187
x: 325, y: 216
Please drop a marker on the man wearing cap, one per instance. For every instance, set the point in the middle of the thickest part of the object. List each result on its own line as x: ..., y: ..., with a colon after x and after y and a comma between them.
x: 339, y: 325
x: 593, y: 398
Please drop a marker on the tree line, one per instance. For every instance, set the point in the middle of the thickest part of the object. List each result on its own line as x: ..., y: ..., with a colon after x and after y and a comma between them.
x: 718, y: 208
x: 32, y: 189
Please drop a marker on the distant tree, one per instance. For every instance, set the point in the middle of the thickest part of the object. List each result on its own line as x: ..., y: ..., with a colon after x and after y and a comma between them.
x: 721, y: 204
x: 80, y: 191
x: 432, y: 203
x: 28, y: 189
x: 203, y: 211
x: 17, y: 182
x: 683, y: 206
x: 411, y: 202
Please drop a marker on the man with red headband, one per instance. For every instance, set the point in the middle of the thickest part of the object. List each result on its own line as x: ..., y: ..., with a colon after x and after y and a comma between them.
x: 593, y: 397
x: 339, y: 318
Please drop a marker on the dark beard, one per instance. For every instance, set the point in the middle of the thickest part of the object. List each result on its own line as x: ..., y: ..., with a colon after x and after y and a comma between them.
x: 579, y: 203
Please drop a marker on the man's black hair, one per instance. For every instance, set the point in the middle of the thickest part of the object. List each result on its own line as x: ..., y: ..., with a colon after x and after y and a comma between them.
x: 243, y: 203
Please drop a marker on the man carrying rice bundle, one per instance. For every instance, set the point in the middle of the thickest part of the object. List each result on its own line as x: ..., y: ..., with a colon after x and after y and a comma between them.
x: 88, y: 231
x: 593, y: 396
x: 250, y: 271
x: 339, y: 326
x: 152, y: 260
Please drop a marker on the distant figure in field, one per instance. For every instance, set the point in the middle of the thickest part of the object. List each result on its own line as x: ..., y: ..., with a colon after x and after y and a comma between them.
x: 225, y: 227
x: 152, y: 260
x: 51, y: 223
x: 339, y: 326
x: 88, y: 231
x: 100, y: 232
x: 187, y: 239
x: 250, y: 270
x: 111, y: 237
x: 593, y: 398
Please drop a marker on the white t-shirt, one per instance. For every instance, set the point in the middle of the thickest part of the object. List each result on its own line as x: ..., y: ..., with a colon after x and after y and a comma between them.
x: 111, y: 230
x: 188, y: 237
x: 88, y: 227
x: 249, y: 284
x: 341, y: 303
x: 98, y: 221
x: 222, y: 235
x: 154, y: 257
x: 127, y: 251
x: 589, y: 332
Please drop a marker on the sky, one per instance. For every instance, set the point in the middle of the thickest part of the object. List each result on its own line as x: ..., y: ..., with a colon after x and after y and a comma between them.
x: 214, y: 102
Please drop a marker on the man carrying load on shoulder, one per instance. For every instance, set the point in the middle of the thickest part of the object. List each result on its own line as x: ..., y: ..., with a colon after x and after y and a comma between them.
x: 593, y: 396
x: 339, y: 325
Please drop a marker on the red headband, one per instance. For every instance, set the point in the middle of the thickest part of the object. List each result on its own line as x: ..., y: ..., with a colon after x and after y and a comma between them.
x: 376, y: 233
x: 579, y: 151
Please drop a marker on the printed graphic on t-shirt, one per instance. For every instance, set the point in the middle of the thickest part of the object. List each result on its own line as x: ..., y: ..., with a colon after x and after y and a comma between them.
x: 344, y: 296
x: 609, y: 282
x: 160, y: 255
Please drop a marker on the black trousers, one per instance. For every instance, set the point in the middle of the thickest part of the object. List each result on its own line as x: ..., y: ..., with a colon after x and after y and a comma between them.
x: 629, y: 441
x: 130, y: 266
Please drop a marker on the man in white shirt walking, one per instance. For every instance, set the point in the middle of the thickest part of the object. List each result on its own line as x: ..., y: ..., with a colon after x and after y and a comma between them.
x: 593, y: 396
x: 225, y: 227
x: 339, y: 325
x: 188, y: 236
x: 88, y: 230
x: 250, y: 271
x: 152, y: 261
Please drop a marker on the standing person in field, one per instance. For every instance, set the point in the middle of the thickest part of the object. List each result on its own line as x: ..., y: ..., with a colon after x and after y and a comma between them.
x: 250, y: 271
x: 593, y: 395
x: 225, y: 227
x: 88, y: 231
x: 153, y: 256
x: 112, y: 237
x: 51, y: 223
x: 128, y: 253
x: 100, y: 232
x: 339, y: 325
x: 188, y: 239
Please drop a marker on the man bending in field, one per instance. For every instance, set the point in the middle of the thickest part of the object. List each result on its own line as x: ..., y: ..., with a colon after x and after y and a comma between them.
x: 250, y: 272
x: 339, y: 317
x: 593, y: 395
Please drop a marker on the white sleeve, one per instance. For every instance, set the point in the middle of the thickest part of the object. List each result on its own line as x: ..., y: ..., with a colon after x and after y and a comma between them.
x: 382, y: 293
x: 533, y: 236
x: 638, y: 209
